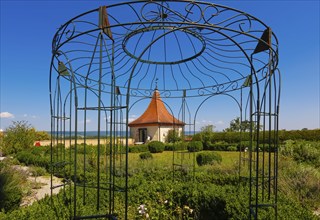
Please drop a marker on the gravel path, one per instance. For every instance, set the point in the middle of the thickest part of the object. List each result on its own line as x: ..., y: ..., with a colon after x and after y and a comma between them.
x: 41, y: 189
x: 40, y: 186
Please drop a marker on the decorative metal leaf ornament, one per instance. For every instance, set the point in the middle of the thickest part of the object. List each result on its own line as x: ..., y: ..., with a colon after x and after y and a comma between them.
x: 63, y: 71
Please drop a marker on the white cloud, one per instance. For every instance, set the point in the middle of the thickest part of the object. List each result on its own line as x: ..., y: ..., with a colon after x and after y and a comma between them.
x: 130, y: 119
x: 6, y: 115
x: 29, y: 116
x: 219, y: 123
x: 206, y: 121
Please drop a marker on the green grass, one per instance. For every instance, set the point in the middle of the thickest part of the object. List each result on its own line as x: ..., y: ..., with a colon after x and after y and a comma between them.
x: 165, y: 159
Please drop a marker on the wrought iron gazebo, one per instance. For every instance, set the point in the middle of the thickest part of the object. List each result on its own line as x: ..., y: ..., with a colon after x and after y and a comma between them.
x: 106, y: 61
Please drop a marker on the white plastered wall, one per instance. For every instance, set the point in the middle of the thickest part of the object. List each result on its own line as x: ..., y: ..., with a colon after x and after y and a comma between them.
x: 153, y: 132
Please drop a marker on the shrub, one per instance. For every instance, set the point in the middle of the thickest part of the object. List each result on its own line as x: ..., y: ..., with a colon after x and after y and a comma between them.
x: 82, y: 148
x: 169, y: 147
x: 220, y: 146
x: 28, y: 158
x: 181, y: 146
x: 145, y: 155
x: 197, y: 137
x: 204, y: 158
x: 302, y: 151
x: 10, y: 188
x: 19, y: 136
x: 156, y: 147
x: 300, y: 182
x: 232, y: 148
x: 138, y: 148
x: 39, y: 151
x: 195, y: 146
x: 37, y: 171
x: 42, y: 135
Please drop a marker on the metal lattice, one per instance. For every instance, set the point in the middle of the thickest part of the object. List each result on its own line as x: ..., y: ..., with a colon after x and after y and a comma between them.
x: 107, y: 60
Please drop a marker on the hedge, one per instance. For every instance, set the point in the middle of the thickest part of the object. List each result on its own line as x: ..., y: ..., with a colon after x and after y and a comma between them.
x: 195, y: 146
x: 138, y: 148
x: 237, y: 137
x: 176, y: 146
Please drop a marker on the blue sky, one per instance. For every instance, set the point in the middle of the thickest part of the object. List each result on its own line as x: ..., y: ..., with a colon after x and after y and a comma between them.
x: 27, y: 28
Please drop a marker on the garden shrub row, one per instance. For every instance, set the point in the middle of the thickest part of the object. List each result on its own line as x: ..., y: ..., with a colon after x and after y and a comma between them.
x: 138, y: 148
x: 221, y: 141
x: 235, y: 137
x: 263, y: 146
x: 221, y: 146
x: 89, y: 148
x: 226, y: 141
x: 178, y: 146
x: 156, y: 146
x: 302, y: 151
x: 28, y: 158
x: 153, y: 147
x: 232, y: 141
x: 195, y: 146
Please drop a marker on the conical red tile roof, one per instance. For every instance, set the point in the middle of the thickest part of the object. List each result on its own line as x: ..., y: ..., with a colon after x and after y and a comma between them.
x: 156, y: 114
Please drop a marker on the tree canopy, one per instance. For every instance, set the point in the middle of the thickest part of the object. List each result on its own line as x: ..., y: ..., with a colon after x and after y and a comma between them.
x: 236, y: 125
x: 18, y: 136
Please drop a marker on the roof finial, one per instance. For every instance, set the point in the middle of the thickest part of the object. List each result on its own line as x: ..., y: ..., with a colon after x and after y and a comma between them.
x: 156, y: 84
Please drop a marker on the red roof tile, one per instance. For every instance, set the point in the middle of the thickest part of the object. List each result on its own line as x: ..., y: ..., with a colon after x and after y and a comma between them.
x: 156, y: 114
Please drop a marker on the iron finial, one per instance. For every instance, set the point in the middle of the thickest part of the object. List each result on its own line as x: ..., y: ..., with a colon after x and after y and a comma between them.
x: 156, y: 84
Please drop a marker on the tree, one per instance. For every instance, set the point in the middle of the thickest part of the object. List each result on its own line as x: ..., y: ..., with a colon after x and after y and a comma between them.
x: 1, y: 141
x: 236, y: 125
x: 19, y: 136
x: 207, y: 129
x: 206, y: 134
x: 173, y: 136
x: 42, y: 135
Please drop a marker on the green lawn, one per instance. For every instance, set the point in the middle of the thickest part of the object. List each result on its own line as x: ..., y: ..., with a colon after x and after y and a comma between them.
x: 165, y: 159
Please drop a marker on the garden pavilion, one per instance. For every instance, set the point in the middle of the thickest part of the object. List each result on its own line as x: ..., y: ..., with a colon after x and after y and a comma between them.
x: 155, y: 123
